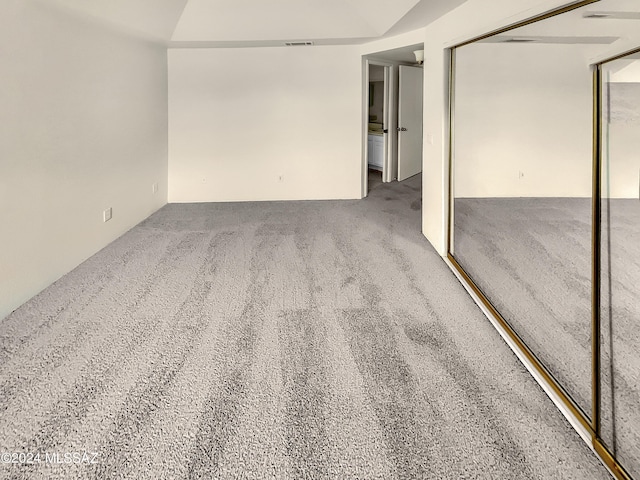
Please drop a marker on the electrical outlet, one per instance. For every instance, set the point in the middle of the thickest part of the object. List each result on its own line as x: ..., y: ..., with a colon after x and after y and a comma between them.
x: 281, y: 177
x: 154, y: 188
x: 107, y: 214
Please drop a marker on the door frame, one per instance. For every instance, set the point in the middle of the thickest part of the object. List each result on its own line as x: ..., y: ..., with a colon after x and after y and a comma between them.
x: 388, y: 120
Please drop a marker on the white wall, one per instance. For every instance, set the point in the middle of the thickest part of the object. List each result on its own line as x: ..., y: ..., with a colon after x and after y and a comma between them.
x: 523, y: 121
x: 84, y: 127
x: 621, y: 142
x: 621, y: 145
x: 624, y: 70
x: 242, y: 118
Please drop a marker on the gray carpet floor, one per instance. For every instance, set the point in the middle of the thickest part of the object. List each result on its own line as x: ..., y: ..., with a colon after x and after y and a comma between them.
x: 280, y: 340
x: 375, y: 178
x: 532, y: 258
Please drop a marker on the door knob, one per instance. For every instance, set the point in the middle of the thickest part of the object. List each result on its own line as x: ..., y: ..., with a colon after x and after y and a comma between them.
x: 401, y: 129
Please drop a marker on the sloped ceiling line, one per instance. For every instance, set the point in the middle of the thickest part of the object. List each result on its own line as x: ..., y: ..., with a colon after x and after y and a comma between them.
x: 256, y: 22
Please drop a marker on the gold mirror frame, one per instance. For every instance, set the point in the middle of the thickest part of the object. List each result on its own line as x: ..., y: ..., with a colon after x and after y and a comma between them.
x: 593, y: 426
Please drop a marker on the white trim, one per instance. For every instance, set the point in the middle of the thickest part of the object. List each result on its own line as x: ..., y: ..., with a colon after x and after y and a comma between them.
x: 364, y: 180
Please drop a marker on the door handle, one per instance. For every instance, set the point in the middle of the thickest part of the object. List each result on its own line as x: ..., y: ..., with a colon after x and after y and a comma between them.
x: 386, y: 130
x: 401, y: 129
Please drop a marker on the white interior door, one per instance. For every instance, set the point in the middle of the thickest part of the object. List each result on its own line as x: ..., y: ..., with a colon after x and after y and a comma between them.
x: 409, y: 122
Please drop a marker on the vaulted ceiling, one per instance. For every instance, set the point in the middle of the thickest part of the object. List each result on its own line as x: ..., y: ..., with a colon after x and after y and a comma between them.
x: 237, y: 20
x: 258, y: 22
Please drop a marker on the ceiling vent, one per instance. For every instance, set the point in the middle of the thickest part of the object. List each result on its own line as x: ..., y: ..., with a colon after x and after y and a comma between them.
x: 298, y: 44
x: 519, y: 40
x: 597, y: 15
x: 613, y: 15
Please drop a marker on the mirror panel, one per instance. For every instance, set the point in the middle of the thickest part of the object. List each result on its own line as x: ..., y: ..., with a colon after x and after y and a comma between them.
x: 522, y: 189
x: 522, y: 207
x: 620, y: 259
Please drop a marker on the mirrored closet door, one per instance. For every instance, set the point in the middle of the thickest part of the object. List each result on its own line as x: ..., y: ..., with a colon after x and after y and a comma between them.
x: 620, y: 258
x: 544, y: 206
x: 522, y: 184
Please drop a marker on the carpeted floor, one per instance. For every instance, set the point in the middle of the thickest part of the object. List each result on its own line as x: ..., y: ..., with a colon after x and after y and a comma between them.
x: 532, y: 258
x: 375, y: 178
x: 283, y: 340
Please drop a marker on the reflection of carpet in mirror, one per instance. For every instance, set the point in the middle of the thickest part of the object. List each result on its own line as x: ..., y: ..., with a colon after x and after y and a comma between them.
x: 620, y: 318
x: 532, y: 259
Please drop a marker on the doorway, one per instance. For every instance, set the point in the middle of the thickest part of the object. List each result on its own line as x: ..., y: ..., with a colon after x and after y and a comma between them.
x: 378, y: 123
x: 392, y: 87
